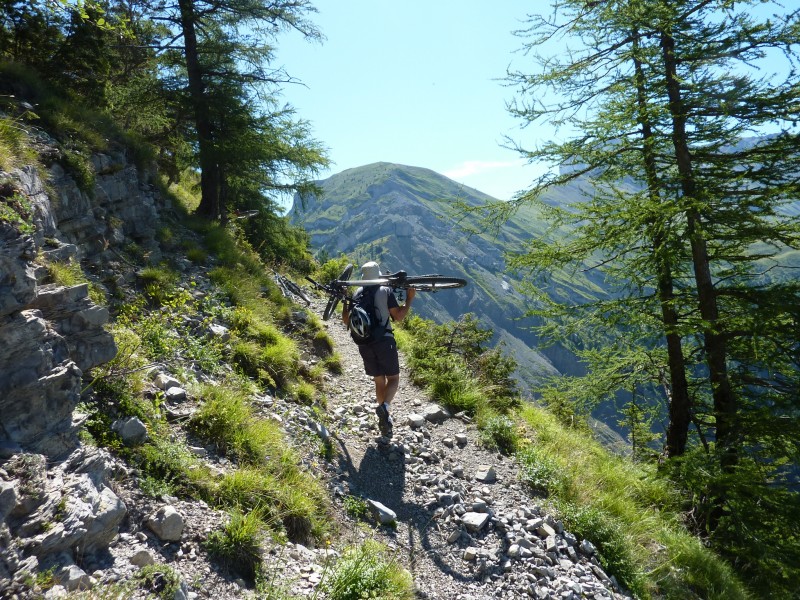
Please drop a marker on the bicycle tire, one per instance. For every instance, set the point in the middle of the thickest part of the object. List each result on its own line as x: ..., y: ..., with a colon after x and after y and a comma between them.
x: 333, y: 301
x: 434, y: 283
x: 329, y: 308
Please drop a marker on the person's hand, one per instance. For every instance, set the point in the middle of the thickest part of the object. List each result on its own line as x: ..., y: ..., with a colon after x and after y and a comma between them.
x: 410, y: 293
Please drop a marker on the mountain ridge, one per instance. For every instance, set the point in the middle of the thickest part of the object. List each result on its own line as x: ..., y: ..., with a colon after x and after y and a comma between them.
x: 415, y: 219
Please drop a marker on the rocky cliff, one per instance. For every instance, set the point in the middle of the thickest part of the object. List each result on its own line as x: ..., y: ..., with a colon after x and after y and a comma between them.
x: 49, y: 336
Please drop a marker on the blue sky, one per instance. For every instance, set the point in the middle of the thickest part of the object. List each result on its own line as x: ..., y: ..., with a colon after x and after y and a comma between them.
x: 416, y: 83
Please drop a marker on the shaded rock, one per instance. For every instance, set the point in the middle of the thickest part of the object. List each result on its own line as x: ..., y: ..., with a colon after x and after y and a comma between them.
x: 79, y: 321
x: 17, y: 279
x: 8, y: 499
x: 381, y: 513
x: 39, y: 385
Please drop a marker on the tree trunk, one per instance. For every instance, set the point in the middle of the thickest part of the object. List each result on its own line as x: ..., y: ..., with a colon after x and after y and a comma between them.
x: 209, y: 180
x: 679, y: 403
x: 725, y: 407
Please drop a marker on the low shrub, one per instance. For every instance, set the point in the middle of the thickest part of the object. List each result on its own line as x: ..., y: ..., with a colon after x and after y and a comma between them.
x: 500, y: 433
x: 161, y: 580
x: 539, y: 471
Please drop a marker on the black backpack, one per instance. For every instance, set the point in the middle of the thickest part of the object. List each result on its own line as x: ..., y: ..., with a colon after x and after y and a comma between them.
x: 365, y: 323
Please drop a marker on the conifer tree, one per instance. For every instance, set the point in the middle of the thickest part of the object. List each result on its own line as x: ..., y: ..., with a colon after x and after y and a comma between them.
x: 688, y: 156
x: 224, y: 44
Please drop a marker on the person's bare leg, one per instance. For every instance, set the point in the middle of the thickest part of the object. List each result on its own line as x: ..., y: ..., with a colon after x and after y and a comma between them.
x: 392, y: 383
x: 380, y: 388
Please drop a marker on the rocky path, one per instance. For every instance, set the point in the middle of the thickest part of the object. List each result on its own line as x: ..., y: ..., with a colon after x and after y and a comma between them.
x: 453, y: 513
x: 463, y: 524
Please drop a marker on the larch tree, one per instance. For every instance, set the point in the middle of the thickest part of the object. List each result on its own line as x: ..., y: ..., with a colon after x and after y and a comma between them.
x: 224, y: 43
x: 680, y: 120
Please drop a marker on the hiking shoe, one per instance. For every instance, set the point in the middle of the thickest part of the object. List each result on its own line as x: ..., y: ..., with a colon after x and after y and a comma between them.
x: 384, y: 420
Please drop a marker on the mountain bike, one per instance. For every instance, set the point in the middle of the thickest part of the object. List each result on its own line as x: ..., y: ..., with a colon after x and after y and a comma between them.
x: 337, y: 289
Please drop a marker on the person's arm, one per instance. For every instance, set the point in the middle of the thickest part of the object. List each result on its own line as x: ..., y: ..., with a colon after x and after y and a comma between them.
x: 399, y: 312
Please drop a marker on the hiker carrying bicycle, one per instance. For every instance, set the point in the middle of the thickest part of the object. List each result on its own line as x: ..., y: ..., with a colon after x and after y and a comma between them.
x: 381, y: 361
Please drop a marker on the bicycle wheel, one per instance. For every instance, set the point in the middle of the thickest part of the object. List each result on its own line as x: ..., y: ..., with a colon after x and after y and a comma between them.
x: 434, y: 283
x: 330, y: 307
x: 333, y: 301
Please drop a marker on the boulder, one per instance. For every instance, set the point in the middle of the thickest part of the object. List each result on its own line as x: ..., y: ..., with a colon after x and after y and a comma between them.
x: 132, y: 431
x: 166, y: 523
x: 381, y: 513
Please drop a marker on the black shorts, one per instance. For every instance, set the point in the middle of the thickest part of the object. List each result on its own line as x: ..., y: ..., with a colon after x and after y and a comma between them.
x: 381, y: 357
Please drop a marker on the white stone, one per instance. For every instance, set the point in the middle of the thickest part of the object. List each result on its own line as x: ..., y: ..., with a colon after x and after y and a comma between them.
x: 164, y: 381
x: 175, y: 394
x: 218, y: 331
x: 167, y: 524
x: 474, y: 522
x: 382, y: 513
x: 132, y: 430
x: 486, y: 474
x: 143, y: 558
x: 415, y: 420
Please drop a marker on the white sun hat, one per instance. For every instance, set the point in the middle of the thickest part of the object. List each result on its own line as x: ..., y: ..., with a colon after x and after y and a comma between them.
x: 370, y: 270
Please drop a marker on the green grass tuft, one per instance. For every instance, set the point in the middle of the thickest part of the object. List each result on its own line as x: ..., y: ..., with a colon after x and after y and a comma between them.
x: 368, y: 572
x: 238, y: 545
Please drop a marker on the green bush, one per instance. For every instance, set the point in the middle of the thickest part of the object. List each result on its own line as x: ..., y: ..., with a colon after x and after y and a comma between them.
x: 608, y: 535
x: 304, y: 393
x: 356, y: 507
x: 16, y: 210
x: 292, y: 499
x: 368, y: 572
x: 161, y: 580
x: 453, y: 362
x: 333, y: 363
x: 500, y: 433
x: 331, y: 269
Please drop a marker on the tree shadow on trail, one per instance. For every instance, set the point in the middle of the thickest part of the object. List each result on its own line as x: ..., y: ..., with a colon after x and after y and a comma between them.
x: 381, y: 476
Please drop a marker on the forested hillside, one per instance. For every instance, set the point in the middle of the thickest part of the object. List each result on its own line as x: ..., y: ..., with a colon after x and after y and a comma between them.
x: 148, y: 353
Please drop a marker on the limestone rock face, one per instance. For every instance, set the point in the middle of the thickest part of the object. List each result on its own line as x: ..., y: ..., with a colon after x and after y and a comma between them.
x: 50, y: 335
x: 39, y: 385
x: 17, y: 281
x: 79, y: 321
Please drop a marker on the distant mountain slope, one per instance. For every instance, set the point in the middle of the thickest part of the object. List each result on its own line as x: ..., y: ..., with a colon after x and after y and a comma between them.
x: 406, y: 218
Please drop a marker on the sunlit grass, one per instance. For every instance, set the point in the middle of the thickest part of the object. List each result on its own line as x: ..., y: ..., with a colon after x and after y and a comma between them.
x: 368, y: 571
x: 70, y: 274
x: 623, y: 508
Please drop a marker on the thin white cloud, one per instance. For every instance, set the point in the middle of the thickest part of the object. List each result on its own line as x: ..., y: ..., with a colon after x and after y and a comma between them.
x: 477, y: 167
